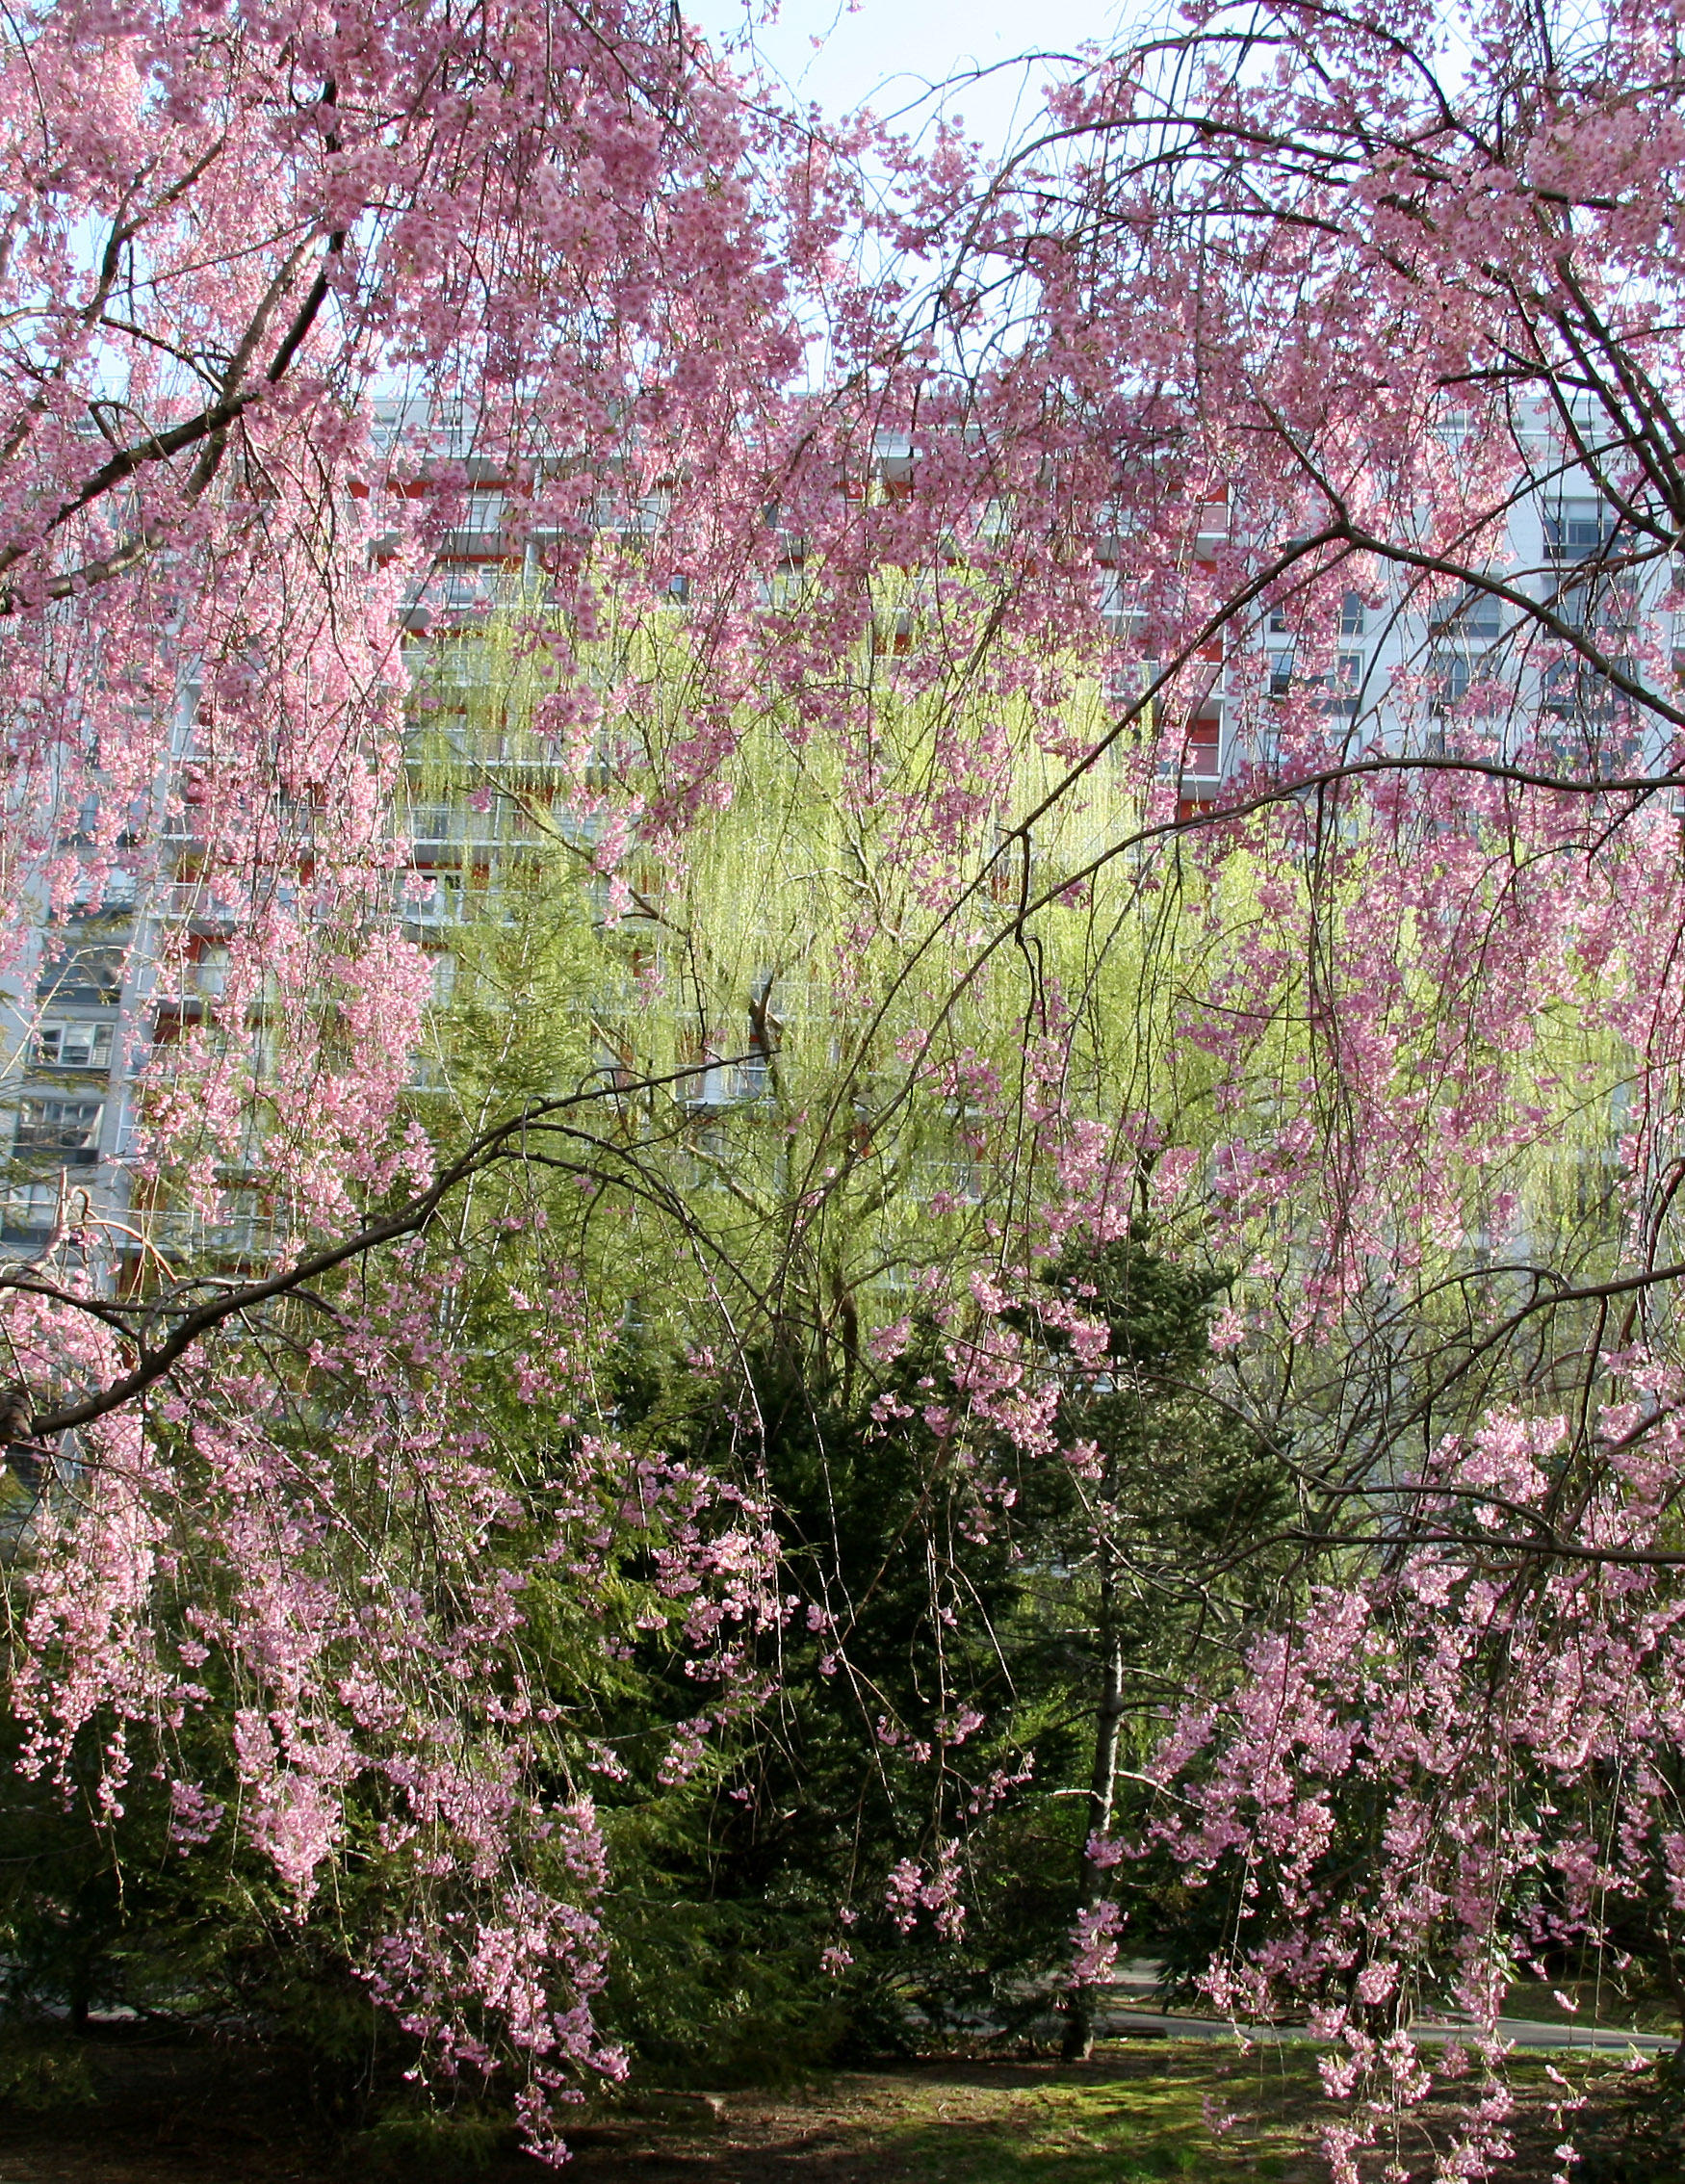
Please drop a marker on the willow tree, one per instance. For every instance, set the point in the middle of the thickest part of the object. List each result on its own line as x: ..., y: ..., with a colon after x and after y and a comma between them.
x: 820, y: 1083
x: 880, y: 1064
x: 791, y: 1215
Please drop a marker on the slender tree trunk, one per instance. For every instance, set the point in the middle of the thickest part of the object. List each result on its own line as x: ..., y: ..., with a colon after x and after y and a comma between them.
x: 1676, y: 1986
x: 1091, y: 1881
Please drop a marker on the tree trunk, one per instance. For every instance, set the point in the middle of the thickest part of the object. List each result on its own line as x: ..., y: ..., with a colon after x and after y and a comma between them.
x: 1091, y: 1881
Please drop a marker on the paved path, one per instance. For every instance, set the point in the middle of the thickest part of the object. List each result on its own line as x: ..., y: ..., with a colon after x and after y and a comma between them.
x: 1521, y: 2032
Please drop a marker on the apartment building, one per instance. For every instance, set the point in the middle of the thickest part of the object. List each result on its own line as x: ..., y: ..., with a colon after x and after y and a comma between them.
x: 145, y: 953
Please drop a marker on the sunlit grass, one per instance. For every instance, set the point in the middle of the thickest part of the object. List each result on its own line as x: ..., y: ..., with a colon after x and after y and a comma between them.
x: 1130, y: 2116
x: 1142, y: 2111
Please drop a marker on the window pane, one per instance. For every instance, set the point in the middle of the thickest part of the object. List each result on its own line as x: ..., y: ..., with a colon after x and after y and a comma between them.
x: 1573, y: 529
x: 59, y: 1126
x: 73, y: 1046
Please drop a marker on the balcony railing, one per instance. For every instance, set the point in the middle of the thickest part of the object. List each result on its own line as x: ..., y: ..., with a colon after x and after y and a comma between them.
x: 717, y: 1086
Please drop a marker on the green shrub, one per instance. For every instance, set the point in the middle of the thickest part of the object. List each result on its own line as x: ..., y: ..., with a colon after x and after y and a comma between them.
x: 430, y: 2143
x: 43, y: 2072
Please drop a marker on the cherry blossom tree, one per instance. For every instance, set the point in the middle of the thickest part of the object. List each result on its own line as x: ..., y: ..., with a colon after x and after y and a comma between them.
x: 1397, y: 295
x: 1213, y: 595
x: 277, y: 290
x: 282, y: 287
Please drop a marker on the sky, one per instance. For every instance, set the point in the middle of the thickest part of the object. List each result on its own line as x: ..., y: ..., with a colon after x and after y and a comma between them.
x: 886, y: 53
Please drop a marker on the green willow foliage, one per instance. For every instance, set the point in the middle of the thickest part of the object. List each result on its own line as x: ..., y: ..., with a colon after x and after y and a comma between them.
x: 855, y: 1136
x: 831, y: 1025
x: 883, y: 996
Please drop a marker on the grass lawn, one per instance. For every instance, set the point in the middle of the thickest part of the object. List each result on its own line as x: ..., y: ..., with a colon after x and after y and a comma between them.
x: 1134, y: 2114
x: 1143, y: 2110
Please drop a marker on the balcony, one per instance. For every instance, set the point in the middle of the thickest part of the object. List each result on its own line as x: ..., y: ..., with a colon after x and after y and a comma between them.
x: 719, y: 1085
x: 179, y: 1235
x: 195, y: 902
x: 58, y: 1127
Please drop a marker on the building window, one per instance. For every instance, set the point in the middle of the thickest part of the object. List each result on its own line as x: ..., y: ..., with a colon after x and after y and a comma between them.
x: 1339, y: 686
x: 1575, y: 689
x: 67, y: 1128
x: 1449, y: 674
x: 1202, y: 751
x: 442, y: 904
x: 481, y: 529
x: 207, y: 973
x: 892, y: 634
x: 1606, y: 604
x: 89, y: 976
x: 1462, y: 635
x: 29, y: 1209
x: 1473, y: 617
x: 1574, y: 531
x: 1344, y: 686
x: 72, y: 1045
x: 1014, y: 867
x: 1353, y: 617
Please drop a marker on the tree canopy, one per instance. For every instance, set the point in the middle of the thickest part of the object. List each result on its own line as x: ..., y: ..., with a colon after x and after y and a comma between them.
x: 1054, y: 1156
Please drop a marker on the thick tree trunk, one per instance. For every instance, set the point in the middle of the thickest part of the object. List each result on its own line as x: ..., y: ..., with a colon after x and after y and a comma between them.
x: 1091, y: 1881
